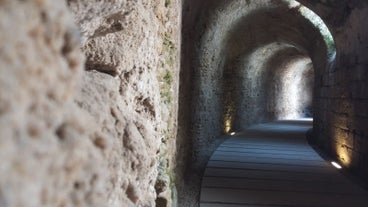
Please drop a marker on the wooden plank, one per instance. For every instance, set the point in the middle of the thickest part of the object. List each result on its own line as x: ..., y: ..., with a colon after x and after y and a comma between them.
x: 270, y: 160
x: 258, y: 174
x: 268, y: 154
x: 270, y: 140
x: 283, y: 185
x: 226, y: 204
x: 271, y: 197
x: 273, y: 151
x: 267, y: 147
x: 272, y: 167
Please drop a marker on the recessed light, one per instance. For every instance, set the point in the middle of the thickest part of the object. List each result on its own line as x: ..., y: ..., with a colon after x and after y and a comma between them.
x: 232, y: 133
x: 335, y: 164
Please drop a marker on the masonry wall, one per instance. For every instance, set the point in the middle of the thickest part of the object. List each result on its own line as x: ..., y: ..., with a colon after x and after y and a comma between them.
x: 341, y: 107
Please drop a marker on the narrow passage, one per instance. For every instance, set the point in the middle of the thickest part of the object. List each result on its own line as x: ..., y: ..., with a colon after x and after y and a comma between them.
x: 272, y: 165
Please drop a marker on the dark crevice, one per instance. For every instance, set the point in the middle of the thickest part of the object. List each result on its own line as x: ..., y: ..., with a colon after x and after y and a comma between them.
x: 103, y: 68
x: 113, y: 23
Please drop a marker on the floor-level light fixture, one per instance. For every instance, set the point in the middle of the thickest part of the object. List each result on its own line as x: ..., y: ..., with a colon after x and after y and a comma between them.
x: 335, y: 164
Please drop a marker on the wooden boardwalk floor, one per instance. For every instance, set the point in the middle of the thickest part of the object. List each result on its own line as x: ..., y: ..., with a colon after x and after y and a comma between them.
x: 272, y: 165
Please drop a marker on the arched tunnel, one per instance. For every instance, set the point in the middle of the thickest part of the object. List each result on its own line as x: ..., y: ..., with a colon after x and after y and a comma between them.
x: 113, y: 103
x: 250, y: 62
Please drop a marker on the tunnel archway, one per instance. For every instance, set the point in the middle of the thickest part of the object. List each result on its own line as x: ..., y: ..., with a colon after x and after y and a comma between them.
x: 228, y: 37
x: 260, y: 26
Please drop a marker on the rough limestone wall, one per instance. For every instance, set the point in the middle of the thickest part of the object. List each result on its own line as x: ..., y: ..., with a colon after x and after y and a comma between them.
x: 49, y: 155
x: 101, y: 137
x: 135, y: 45
x: 341, y: 118
x: 187, y: 176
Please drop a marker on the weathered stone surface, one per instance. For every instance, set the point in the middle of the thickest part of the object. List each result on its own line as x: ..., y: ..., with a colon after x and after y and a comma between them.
x: 48, y: 157
x: 135, y: 44
x: 88, y: 106
x: 101, y: 137
x: 340, y: 118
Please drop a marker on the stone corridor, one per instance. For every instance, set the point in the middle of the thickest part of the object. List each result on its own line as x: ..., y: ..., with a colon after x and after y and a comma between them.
x: 121, y: 103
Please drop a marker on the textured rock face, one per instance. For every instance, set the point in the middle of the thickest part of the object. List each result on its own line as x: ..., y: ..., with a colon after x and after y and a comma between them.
x: 341, y: 101
x: 88, y: 92
x: 133, y: 48
x: 47, y: 151
x: 101, y: 137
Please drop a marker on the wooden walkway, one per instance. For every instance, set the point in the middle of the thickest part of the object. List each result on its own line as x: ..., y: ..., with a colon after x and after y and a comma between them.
x: 272, y: 165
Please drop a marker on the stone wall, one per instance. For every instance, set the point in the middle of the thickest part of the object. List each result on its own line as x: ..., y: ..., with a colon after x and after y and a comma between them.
x: 50, y: 157
x: 88, y: 112
x: 341, y: 115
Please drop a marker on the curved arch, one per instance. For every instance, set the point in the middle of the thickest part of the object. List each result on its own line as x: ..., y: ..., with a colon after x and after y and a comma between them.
x: 259, y: 79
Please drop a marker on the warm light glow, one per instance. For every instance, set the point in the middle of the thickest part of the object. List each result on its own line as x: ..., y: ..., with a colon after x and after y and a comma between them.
x: 342, y: 147
x: 335, y: 164
x: 232, y: 133
x: 343, y: 155
x: 227, y: 125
